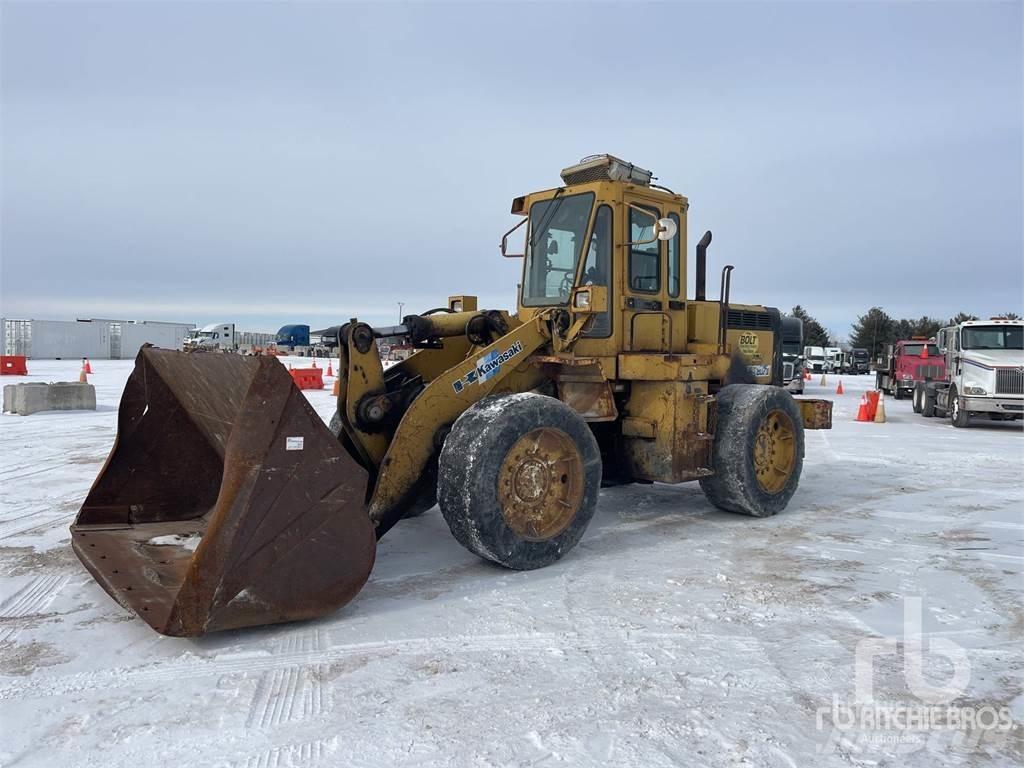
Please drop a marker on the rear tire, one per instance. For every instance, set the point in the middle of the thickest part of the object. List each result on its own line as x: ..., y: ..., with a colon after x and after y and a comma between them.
x: 758, y: 452
x: 519, y: 479
x: 928, y: 403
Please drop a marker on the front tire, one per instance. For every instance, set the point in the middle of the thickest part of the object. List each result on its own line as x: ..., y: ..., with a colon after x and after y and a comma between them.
x: 918, y: 401
x: 758, y: 452
x: 519, y: 477
x: 958, y: 415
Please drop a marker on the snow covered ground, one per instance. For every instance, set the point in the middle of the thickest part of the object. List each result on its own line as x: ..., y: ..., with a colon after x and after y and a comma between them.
x: 674, y: 634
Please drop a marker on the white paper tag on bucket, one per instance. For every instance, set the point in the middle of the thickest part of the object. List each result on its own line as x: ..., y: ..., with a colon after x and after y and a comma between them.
x: 293, y: 443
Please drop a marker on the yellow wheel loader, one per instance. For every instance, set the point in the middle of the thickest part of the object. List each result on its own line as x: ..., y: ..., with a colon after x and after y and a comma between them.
x: 227, y: 502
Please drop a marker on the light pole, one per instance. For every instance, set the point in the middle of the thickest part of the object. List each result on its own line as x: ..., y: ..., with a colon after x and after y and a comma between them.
x: 400, y: 305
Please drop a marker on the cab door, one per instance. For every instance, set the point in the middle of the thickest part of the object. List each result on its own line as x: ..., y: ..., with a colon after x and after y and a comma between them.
x: 647, y: 325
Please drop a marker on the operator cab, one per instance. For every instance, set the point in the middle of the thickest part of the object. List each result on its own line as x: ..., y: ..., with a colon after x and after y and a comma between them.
x: 573, y: 235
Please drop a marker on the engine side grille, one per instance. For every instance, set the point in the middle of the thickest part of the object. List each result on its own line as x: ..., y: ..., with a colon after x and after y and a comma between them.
x: 1009, y: 381
x: 761, y: 321
x: 929, y: 372
x: 787, y: 371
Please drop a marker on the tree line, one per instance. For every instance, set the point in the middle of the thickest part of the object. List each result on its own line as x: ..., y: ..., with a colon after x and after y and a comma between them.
x: 876, y: 328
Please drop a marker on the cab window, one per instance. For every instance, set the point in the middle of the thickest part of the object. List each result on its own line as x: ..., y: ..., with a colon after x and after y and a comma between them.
x: 644, y: 258
x: 597, y: 268
x: 673, y: 260
x: 557, y: 229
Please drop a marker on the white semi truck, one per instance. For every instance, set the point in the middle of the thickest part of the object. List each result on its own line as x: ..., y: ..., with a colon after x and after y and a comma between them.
x: 215, y: 337
x: 833, y: 359
x: 814, y: 359
x: 984, y: 373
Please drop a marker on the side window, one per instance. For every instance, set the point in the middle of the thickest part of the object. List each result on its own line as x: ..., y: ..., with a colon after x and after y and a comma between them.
x: 644, y: 266
x: 597, y: 268
x: 673, y: 260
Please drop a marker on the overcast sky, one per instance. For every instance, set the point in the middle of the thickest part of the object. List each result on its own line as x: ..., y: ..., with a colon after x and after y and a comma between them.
x: 276, y: 163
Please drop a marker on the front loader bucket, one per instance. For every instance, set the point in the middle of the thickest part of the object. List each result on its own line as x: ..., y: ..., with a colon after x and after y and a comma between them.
x: 226, y: 501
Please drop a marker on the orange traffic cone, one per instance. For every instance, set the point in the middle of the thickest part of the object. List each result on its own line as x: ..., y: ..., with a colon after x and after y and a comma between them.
x: 839, y: 389
x: 314, y: 362
x: 85, y: 365
x: 336, y: 389
x: 862, y: 412
x: 330, y: 370
x: 880, y: 410
x: 807, y: 375
x: 82, y: 377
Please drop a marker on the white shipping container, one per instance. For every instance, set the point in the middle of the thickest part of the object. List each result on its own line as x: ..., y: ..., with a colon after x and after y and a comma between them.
x: 95, y: 339
x: 164, y: 335
x: 61, y: 339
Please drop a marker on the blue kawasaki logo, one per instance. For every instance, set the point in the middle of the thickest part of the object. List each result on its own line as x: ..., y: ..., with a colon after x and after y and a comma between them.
x: 487, y: 367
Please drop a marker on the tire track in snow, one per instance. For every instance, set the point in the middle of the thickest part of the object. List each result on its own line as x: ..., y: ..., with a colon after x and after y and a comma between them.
x: 304, y: 754
x: 30, y: 600
x: 290, y: 693
x: 28, y: 523
x: 175, y: 671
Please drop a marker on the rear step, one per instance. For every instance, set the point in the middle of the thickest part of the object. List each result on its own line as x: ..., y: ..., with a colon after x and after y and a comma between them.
x: 226, y: 502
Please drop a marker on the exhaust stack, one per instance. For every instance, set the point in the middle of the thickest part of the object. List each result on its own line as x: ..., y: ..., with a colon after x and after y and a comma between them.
x: 702, y: 266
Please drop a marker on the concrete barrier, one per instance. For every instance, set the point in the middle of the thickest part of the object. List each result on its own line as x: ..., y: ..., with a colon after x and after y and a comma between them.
x: 25, y: 399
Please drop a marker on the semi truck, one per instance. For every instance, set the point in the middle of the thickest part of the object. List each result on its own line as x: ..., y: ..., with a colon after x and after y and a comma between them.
x: 856, y: 361
x: 833, y: 359
x: 292, y: 336
x: 216, y: 337
x: 906, y: 363
x: 983, y: 373
x: 792, y: 354
x: 814, y: 359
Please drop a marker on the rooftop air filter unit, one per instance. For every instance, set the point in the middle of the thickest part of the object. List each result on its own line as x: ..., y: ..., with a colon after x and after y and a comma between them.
x: 605, y: 168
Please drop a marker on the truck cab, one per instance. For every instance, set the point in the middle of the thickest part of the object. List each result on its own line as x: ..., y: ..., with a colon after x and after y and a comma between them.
x: 983, y: 363
x: 815, y: 359
x: 213, y: 337
x: 292, y: 336
x: 908, y: 362
x: 793, y: 354
x: 833, y: 359
x: 856, y: 361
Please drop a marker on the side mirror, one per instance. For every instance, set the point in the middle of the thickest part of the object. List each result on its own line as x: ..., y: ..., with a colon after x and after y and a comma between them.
x: 504, y: 242
x: 656, y: 225
x: 590, y: 299
x: 666, y: 229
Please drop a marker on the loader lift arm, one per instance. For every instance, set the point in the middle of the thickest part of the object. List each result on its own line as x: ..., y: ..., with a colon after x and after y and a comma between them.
x: 400, y: 458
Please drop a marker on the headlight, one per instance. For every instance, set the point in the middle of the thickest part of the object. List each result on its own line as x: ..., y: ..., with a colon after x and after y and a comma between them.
x: 975, y: 390
x: 907, y: 376
x: 582, y: 300
x: 457, y: 305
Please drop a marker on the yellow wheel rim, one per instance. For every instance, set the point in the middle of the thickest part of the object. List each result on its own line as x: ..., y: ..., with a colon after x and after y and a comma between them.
x: 774, y: 451
x: 540, y: 484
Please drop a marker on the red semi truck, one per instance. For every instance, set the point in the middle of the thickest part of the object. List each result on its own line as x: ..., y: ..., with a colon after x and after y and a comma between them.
x: 908, y: 362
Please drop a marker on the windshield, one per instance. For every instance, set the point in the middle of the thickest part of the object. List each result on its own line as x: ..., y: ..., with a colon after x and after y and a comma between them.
x: 557, y: 229
x: 860, y: 354
x: 993, y: 337
x: 915, y: 350
x: 791, y: 348
x: 814, y: 352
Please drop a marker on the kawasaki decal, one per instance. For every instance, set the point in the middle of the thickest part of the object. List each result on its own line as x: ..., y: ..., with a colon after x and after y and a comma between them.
x: 487, y: 367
